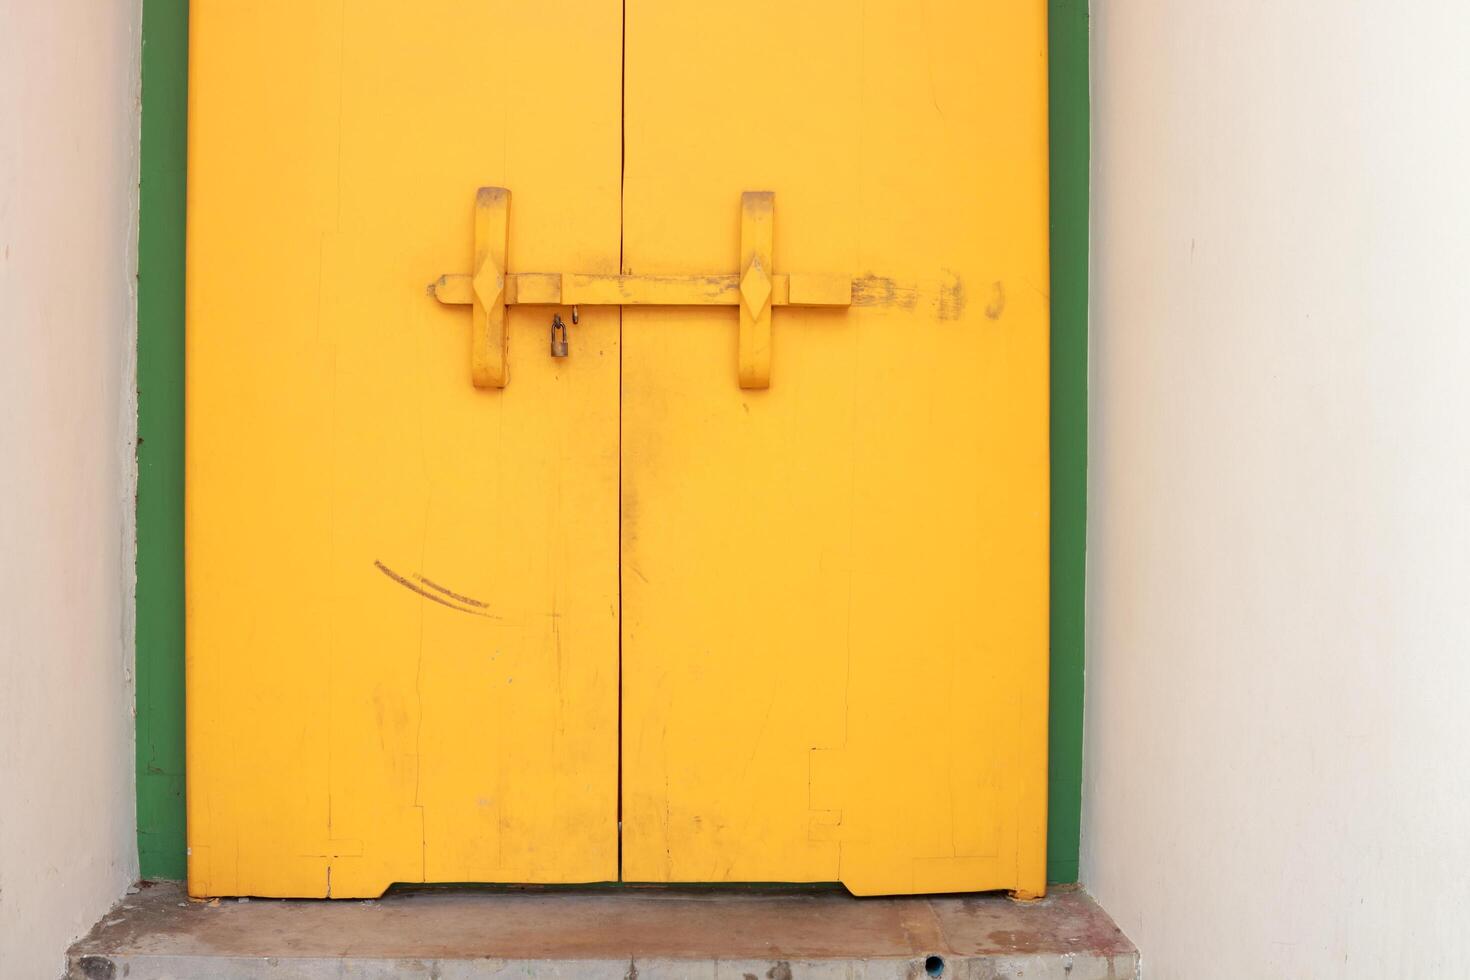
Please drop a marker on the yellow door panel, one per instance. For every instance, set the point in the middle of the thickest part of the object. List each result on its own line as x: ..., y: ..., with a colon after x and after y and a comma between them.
x: 402, y: 588
x: 834, y: 588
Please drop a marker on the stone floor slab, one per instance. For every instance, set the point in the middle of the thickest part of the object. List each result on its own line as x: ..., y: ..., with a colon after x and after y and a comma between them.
x: 619, y: 934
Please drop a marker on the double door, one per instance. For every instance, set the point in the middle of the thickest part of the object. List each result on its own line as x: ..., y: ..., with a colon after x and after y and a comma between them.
x: 746, y: 583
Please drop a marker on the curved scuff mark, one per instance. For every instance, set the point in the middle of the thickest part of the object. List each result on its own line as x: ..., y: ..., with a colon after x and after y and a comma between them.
x: 440, y: 594
x: 453, y: 595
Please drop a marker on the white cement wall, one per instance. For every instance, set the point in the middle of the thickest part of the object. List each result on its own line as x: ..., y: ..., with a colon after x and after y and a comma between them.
x: 68, y: 233
x: 1278, y: 740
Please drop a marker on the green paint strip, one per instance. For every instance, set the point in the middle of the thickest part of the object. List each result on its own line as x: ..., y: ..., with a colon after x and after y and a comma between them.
x: 1070, y: 109
x: 160, y: 656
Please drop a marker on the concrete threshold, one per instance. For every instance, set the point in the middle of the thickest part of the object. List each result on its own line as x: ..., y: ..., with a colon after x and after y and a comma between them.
x: 621, y: 934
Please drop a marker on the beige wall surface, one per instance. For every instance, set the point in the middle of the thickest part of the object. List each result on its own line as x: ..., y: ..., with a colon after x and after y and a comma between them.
x: 68, y: 213
x: 1277, y: 740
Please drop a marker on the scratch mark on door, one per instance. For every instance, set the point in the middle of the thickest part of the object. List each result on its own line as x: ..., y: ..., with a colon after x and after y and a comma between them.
x: 453, y: 595
x: 434, y: 596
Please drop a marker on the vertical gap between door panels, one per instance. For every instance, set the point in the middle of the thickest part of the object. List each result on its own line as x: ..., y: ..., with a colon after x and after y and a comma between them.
x: 622, y: 176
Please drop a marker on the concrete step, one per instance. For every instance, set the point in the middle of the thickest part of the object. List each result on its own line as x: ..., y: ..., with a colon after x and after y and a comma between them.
x: 617, y: 934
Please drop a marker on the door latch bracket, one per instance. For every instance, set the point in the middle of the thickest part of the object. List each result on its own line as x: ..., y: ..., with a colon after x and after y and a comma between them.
x: 754, y: 290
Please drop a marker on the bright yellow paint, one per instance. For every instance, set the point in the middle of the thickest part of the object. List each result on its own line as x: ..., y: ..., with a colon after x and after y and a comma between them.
x: 347, y: 718
x: 834, y: 590
x: 404, y: 587
x: 489, y: 341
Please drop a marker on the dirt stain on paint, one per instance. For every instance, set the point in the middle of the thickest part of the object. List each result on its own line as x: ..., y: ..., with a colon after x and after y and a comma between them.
x: 884, y: 292
x: 943, y: 298
x: 997, y: 304
x: 951, y: 296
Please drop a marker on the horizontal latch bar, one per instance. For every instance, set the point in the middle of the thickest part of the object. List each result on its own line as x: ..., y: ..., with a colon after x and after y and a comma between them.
x: 553, y: 289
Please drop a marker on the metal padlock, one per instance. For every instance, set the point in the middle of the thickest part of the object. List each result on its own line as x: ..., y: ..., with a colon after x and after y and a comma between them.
x: 558, y: 336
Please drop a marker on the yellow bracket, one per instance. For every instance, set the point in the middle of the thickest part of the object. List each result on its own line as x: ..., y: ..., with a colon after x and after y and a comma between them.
x: 755, y: 289
x: 488, y: 345
x: 756, y: 234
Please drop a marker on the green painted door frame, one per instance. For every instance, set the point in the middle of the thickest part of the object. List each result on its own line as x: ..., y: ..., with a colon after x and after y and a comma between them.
x: 1070, y: 108
x: 160, y: 598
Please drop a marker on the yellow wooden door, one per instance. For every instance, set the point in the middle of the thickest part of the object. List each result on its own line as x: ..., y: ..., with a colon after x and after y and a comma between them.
x: 808, y: 545
x: 834, y: 589
x: 403, y: 589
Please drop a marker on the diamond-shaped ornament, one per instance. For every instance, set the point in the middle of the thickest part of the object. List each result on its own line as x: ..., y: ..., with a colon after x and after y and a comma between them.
x: 489, y: 283
x: 755, y: 286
